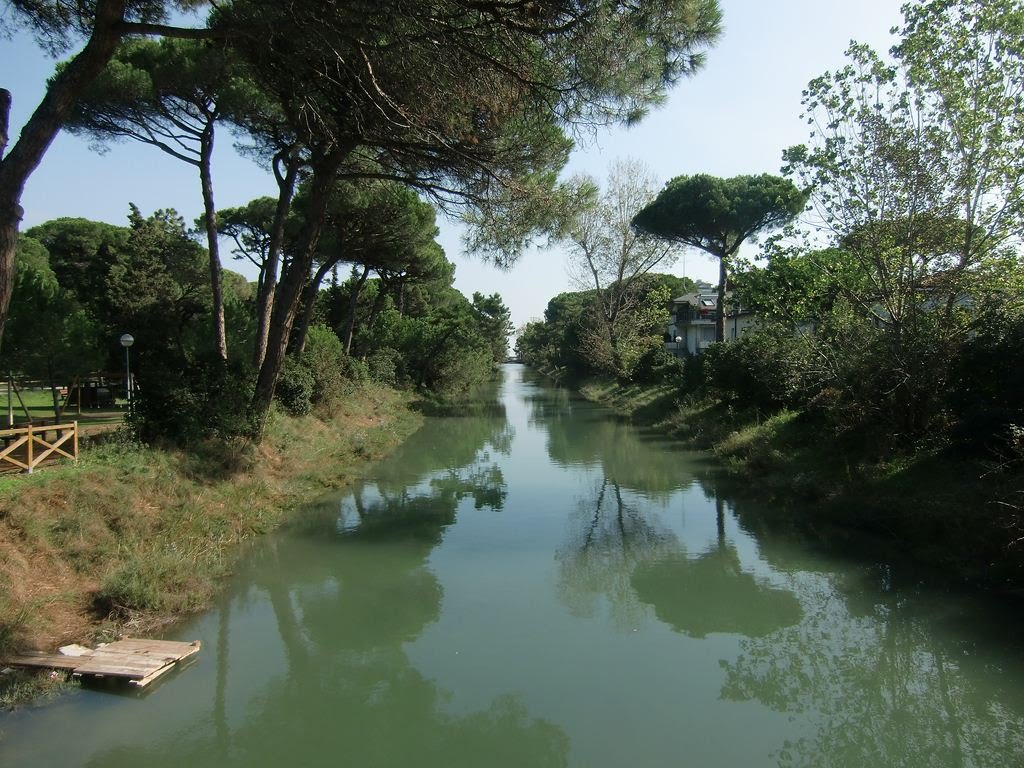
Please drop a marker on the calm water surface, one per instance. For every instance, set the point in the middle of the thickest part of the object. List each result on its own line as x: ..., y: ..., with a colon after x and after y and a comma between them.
x: 530, y: 582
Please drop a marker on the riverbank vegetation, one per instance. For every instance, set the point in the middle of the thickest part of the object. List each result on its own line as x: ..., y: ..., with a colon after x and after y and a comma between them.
x: 133, y: 536
x: 475, y: 117
x: 882, y: 378
x: 248, y: 397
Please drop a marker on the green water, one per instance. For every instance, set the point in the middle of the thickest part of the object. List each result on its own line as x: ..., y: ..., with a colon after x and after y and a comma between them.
x: 530, y: 582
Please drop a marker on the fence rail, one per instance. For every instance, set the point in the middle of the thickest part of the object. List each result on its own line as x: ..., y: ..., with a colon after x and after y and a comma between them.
x: 27, y: 447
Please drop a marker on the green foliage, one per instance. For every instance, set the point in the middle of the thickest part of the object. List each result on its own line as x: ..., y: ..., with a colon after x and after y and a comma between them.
x: 295, y: 387
x: 915, y: 167
x: 656, y: 366
x: 495, y: 323
x: 985, y: 395
x: 555, y: 345
x: 613, y: 259
x: 80, y: 254
x: 186, y: 399
x: 764, y: 369
x: 718, y: 216
x: 249, y: 227
x: 383, y: 365
x: 319, y: 376
x: 50, y: 335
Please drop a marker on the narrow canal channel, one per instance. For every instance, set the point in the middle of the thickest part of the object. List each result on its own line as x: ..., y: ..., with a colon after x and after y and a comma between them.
x: 531, y: 582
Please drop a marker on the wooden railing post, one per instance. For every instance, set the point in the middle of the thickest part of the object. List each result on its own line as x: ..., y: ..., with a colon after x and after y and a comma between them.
x: 31, y: 439
x: 76, y: 440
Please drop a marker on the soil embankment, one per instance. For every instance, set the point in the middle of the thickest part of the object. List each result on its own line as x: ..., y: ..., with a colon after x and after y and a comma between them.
x: 134, y: 536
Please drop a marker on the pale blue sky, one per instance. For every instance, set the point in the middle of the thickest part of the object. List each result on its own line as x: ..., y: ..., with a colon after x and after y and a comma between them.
x: 734, y: 117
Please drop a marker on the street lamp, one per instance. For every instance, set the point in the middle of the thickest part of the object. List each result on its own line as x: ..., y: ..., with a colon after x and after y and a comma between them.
x: 126, y: 341
x: 679, y: 340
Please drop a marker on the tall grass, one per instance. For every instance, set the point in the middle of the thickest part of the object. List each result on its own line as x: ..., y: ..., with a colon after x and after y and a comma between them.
x: 141, y: 533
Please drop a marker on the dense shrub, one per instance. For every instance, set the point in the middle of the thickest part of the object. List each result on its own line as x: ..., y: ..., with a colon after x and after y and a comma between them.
x: 657, y: 365
x: 765, y: 369
x: 985, y: 394
x: 383, y: 366
x: 324, y: 358
x: 295, y: 385
x: 184, y: 401
x: 318, y: 377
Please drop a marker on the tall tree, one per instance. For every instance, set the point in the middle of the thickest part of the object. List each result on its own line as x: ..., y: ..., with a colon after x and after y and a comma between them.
x: 495, y: 321
x: 169, y: 94
x: 915, y: 164
x: 53, y: 337
x: 473, y: 108
x: 717, y: 215
x: 379, y: 226
x: 103, y: 24
x: 610, y: 257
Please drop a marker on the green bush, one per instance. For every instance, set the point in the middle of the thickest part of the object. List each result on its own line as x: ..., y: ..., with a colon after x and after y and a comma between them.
x: 765, y: 369
x: 319, y: 375
x: 295, y: 386
x: 657, y: 365
x: 985, y: 390
x: 383, y: 365
x: 185, y: 400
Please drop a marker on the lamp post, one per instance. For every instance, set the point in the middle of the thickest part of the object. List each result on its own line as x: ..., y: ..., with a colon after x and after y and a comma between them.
x: 679, y: 340
x: 126, y: 341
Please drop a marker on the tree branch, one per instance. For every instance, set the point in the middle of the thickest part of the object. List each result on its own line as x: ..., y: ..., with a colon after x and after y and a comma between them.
x: 5, y: 118
x: 165, y: 30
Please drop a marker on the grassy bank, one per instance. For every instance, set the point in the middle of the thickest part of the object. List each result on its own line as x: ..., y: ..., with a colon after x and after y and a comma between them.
x: 952, y: 511
x: 132, y: 536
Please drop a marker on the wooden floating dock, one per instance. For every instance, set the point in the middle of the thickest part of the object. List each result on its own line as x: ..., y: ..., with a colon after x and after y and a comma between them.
x: 140, y: 662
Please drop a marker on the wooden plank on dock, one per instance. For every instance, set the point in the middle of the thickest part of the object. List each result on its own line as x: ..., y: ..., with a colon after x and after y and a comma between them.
x: 44, y: 661
x: 138, y: 661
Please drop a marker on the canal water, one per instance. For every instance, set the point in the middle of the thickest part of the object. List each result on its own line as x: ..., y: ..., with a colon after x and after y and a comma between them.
x: 529, y: 581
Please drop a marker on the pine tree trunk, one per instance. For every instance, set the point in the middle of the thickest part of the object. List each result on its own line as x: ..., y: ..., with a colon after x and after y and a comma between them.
x: 720, y: 308
x: 353, y: 304
x: 220, y: 339
x: 289, y: 290
x: 308, y: 306
x: 265, y: 297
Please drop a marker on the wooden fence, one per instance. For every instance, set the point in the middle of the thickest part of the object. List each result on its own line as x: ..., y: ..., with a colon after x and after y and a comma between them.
x: 27, y: 447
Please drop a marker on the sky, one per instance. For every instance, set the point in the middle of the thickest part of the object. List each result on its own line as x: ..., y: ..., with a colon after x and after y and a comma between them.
x: 733, y: 117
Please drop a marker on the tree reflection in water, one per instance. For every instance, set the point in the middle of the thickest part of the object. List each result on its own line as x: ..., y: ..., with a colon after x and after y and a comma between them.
x: 608, y: 539
x: 712, y: 593
x: 344, y: 615
x: 879, y: 687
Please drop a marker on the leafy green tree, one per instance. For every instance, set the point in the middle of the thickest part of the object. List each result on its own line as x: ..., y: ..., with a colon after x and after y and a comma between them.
x: 378, y: 226
x: 917, y: 182
x: 495, y: 322
x: 50, y: 334
x: 475, y: 107
x: 796, y: 287
x: 610, y: 257
x: 81, y: 253
x: 252, y: 228
x: 448, y: 348
x: 554, y: 345
x: 674, y: 284
x: 169, y: 94
x: 717, y: 215
x: 159, y: 291
x: 58, y: 25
